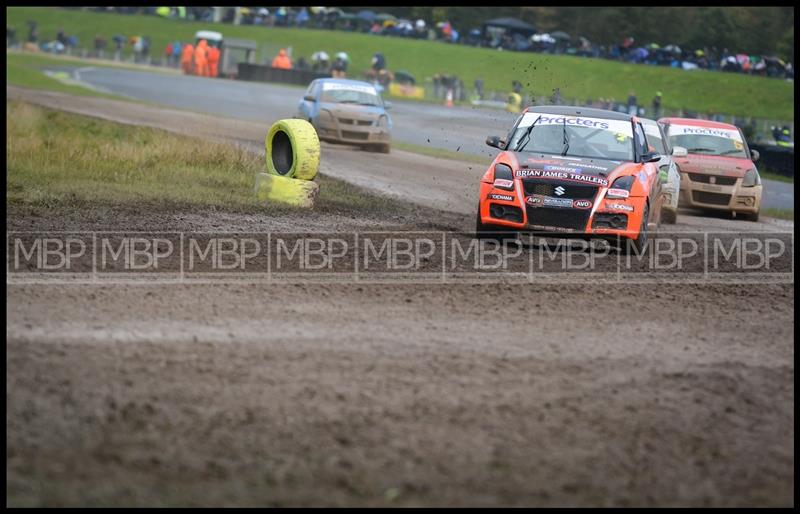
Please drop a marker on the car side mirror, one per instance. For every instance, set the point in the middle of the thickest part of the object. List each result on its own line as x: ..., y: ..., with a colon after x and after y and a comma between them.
x: 310, y: 98
x: 755, y: 155
x: 651, y: 157
x: 387, y: 105
x: 496, y: 142
x: 679, y: 151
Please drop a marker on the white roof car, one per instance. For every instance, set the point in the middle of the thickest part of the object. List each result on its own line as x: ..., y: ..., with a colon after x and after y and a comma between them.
x: 208, y: 35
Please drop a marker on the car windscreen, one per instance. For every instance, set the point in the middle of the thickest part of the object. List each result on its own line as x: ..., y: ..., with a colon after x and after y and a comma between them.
x: 350, y: 94
x: 707, y: 140
x: 655, y: 140
x: 575, y: 136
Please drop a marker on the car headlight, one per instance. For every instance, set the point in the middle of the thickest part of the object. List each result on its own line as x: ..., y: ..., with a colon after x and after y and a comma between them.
x: 325, y: 116
x: 503, y: 177
x: 751, y: 178
x: 621, y: 188
x: 383, y: 122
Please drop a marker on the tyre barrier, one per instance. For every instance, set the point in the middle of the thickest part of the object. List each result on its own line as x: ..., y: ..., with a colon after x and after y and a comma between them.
x: 274, y: 188
x: 293, y: 149
x: 266, y: 73
x: 292, y: 158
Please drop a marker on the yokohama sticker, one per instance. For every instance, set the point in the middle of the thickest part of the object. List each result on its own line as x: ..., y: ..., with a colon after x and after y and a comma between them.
x: 619, y: 207
x: 507, y: 198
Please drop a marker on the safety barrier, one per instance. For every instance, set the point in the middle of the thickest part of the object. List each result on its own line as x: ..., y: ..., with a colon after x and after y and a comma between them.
x: 263, y: 73
x: 777, y: 159
x: 292, y: 158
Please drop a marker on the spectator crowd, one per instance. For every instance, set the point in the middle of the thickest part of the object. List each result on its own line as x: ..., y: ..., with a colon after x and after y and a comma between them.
x: 517, y: 36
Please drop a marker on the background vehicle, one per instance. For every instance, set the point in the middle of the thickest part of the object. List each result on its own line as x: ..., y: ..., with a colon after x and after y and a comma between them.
x: 719, y: 171
x: 670, y: 177
x: 212, y: 38
x: 347, y: 111
x: 572, y: 171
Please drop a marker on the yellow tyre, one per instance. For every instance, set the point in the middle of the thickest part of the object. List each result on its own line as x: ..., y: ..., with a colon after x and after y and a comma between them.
x: 293, y: 149
x: 290, y: 191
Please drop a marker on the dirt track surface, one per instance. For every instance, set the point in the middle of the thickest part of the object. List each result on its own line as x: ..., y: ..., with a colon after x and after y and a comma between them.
x: 367, y: 394
x: 297, y: 395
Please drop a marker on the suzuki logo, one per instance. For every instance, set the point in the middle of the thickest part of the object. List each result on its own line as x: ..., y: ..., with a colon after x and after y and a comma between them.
x: 559, y: 190
x: 712, y: 180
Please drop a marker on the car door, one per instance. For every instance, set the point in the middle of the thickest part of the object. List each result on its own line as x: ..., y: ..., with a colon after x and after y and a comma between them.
x: 307, y: 107
x: 668, y: 170
x: 650, y: 170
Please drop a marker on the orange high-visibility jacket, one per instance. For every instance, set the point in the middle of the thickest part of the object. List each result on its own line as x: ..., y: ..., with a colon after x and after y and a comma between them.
x: 282, y: 60
x: 213, y: 60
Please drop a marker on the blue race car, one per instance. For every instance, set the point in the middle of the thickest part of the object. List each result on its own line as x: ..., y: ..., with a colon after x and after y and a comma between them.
x: 348, y: 111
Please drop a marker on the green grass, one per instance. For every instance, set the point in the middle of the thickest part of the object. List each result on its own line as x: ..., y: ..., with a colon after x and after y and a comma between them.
x: 702, y: 91
x: 784, y: 214
x: 775, y: 176
x: 25, y: 71
x: 47, y: 59
x: 57, y: 160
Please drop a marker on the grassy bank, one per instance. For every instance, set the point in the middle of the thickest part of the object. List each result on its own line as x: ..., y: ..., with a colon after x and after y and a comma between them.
x: 26, y: 70
x: 576, y: 77
x: 775, y: 176
x: 784, y: 214
x: 60, y: 160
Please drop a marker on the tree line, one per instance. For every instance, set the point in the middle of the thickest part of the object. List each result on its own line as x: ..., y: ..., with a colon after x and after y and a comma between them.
x: 750, y: 30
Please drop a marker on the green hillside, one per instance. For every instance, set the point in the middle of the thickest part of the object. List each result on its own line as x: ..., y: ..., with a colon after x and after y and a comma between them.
x: 576, y: 77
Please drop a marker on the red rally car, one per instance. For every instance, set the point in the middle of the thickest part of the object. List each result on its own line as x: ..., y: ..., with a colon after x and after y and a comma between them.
x: 719, y: 172
x: 572, y: 171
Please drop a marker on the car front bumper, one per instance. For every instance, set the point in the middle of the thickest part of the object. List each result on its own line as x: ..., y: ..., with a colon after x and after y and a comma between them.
x: 353, y: 132
x: 728, y: 197
x: 610, y: 218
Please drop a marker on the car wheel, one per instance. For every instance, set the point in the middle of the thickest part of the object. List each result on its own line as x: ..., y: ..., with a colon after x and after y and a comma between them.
x: 749, y: 216
x: 385, y: 148
x: 491, y: 232
x: 669, y: 217
x: 638, y: 246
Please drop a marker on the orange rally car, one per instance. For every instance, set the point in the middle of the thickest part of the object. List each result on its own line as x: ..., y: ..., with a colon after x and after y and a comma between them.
x: 572, y: 171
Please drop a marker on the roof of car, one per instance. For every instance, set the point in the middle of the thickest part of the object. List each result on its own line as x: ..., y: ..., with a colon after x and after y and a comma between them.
x: 580, y: 111
x: 699, y: 123
x: 208, y: 34
x: 346, y: 82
